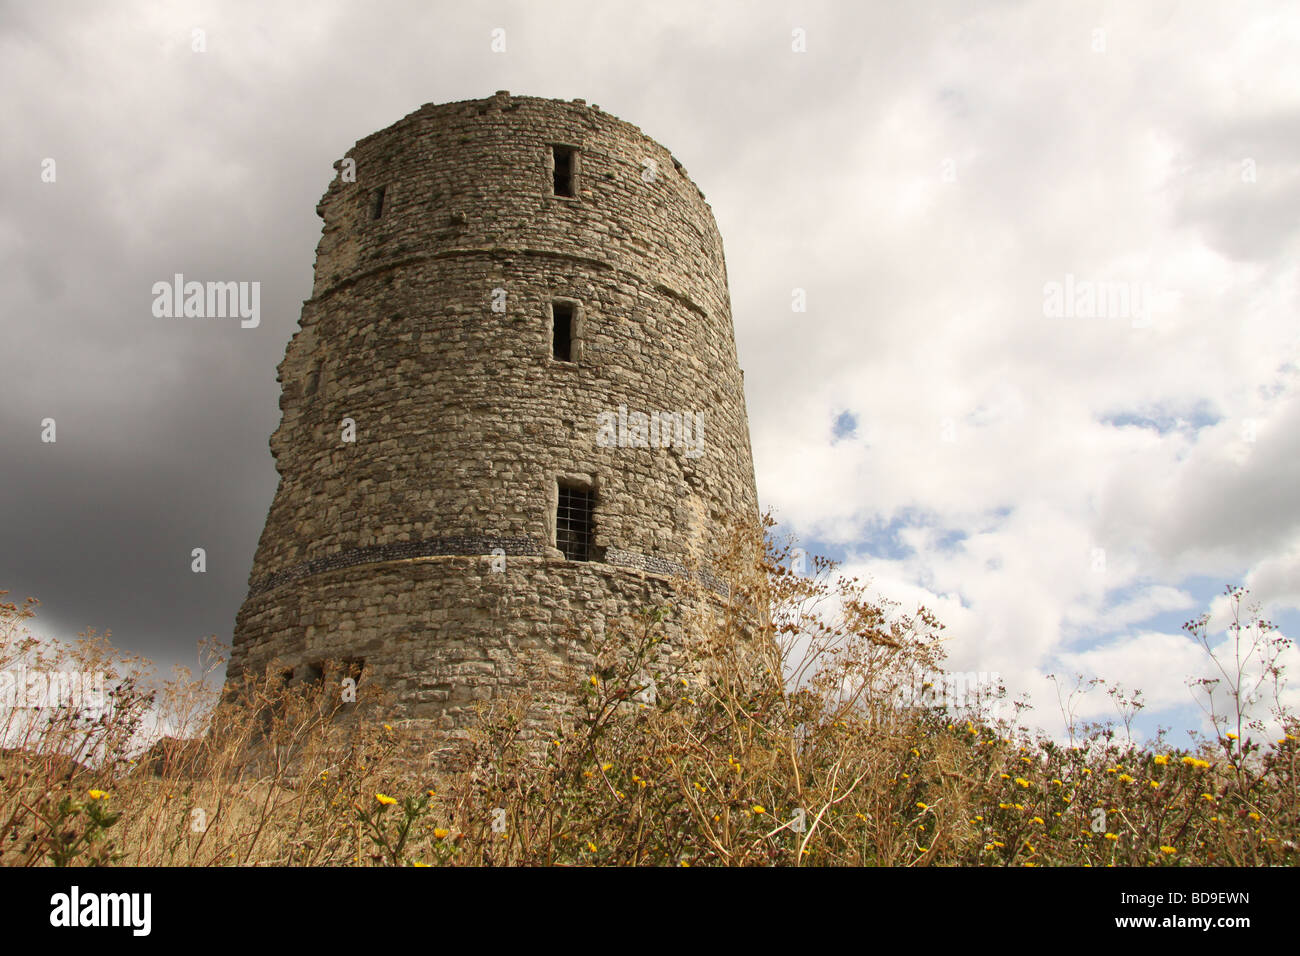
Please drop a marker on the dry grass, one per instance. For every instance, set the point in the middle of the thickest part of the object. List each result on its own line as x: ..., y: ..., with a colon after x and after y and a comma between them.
x: 789, y: 746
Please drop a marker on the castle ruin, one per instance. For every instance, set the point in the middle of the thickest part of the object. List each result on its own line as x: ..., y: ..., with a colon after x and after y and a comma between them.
x: 512, y: 414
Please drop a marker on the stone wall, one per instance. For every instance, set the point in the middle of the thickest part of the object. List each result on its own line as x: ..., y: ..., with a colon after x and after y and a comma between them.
x: 429, y: 328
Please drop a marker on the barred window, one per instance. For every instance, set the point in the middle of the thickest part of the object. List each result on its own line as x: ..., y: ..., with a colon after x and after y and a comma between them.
x: 573, y: 523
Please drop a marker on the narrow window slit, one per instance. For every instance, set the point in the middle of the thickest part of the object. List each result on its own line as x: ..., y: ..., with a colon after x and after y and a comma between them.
x: 564, y: 169
x: 562, y: 331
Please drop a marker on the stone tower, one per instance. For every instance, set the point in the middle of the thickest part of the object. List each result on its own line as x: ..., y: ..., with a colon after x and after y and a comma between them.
x: 512, y: 414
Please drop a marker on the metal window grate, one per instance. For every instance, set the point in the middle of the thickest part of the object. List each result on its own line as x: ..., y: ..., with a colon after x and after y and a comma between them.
x: 573, y: 523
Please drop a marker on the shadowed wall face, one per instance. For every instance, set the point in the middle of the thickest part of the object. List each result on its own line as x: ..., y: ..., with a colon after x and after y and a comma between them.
x: 513, y: 411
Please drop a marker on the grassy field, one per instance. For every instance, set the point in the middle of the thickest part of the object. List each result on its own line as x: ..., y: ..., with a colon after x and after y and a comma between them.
x: 797, y: 746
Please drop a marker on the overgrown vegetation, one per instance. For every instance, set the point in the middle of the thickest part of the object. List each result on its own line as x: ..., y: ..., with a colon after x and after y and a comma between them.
x: 816, y: 740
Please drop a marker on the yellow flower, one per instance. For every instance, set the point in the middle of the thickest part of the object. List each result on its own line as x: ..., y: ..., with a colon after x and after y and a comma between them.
x: 1005, y: 776
x: 1039, y: 820
x: 998, y: 843
x: 907, y: 776
x: 1026, y: 760
x: 418, y: 863
x: 1004, y: 806
x: 595, y: 682
x: 684, y: 862
x: 1231, y: 736
x: 915, y: 752
x: 1057, y: 783
x: 607, y: 767
x: 385, y: 800
x: 1022, y: 781
x: 387, y: 727
x: 591, y: 846
x: 99, y: 794
x: 1125, y: 778
x: 1155, y: 785
x: 1208, y: 796
x: 978, y: 820
x: 1111, y: 836
x: 1088, y: 771
x: 1161, y: 759
x: 922, y: 806
x: 758, y: 809
x: 1168, y: 850
x: 1019, y: 806
x: 1253, y: 815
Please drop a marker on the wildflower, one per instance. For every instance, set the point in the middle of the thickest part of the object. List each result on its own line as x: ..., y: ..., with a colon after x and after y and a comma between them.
x: 388, y: 728
x: 1112, y: 769
x: 1004, y: 806
x: 1057, y: 783
x: 607, y: 767
x: 1111, y: 836
x: 1168, y: 850
x: 1155, y: 785
x: 419, y: 863
x: 915, y: 752
x: 1030, y: 847
x: 922, y: 806
x: 1019, y: 806
x: 430, y: 793
x: 1208, y: 796
x: 1253, y: 815
x: 978, y: 820
x: 591, y: 846
x: 684, y: 862
x: 439, y: 833
x: 384, y: 799
x: 1005, y: 776
x: 1125, y: 778
x: 1022, y: 781
x: 1040, y: 821
x: 1231, y: 736
x: 595, y: 681
x: 1161, y: 759
x: 998, y: 843
x: 907, y: 776
x: 324, y: 774
x: 98, y: 794
x: 1087, y: 771
x: 1026, y: 760
x: 758, y: 809
x: 699, y: 786
x: 620, y: 794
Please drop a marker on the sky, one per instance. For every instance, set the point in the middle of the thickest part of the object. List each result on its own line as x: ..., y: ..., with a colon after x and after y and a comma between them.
x: 1014, y: 288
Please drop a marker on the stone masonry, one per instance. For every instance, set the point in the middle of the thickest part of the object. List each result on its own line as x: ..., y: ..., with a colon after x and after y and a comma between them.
x: 476, y: 342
